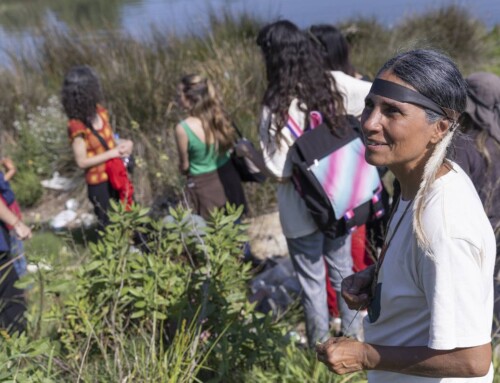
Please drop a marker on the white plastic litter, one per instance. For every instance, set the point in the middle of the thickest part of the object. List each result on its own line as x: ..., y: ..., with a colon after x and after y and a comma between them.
x: 33, y: 267
x: 72, y: 204
x: 87, y: 220
x: 57, y: 182
x: 61, y: 220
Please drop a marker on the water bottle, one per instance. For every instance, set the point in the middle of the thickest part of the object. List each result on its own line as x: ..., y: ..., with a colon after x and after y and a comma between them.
x: 125, y: 159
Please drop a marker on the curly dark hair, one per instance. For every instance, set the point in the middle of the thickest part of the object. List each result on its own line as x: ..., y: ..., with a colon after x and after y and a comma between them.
x: 80, y: 94
x: 295, y: 70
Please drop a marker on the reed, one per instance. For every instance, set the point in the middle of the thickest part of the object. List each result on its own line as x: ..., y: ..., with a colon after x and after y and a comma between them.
x: 139, y: 79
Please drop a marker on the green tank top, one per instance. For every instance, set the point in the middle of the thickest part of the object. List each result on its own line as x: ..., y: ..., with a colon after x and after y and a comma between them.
x: 201, y: 160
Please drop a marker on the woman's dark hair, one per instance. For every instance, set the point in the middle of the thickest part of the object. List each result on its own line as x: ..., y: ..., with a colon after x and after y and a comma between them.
x: 80, y: 94
x: 295, y: 71
x: 333, y: 47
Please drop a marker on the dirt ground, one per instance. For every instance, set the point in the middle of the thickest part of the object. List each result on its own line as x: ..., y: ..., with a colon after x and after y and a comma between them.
x: 265, y: 234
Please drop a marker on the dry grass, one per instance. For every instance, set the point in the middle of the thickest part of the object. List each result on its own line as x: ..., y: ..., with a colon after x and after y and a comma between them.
x: 139, y: 79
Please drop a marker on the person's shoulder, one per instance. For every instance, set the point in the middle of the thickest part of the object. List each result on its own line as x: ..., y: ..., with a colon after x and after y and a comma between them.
x: 102, y: 112
x: 180, y: 128
x: 76, y: 128
x: 453, y: 209
x: 344, y: 78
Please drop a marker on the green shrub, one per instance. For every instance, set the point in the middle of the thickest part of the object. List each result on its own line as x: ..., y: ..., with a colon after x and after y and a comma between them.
x: 25, y: 360
x: 493, y: 50
x: 121, y: 313
x: 451, y: 29
x: 299, y: 365
x: 27, y: 188
x: 40, y: 147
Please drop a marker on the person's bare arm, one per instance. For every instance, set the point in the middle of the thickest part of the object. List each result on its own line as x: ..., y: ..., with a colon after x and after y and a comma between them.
x: 84, y: 162
x: 181, y: 140
x: 344, y: 355
x: 22, y: 231
x: 10, y: 168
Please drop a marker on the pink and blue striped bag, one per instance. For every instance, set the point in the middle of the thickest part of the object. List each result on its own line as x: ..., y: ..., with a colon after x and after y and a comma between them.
x: 341, y: 190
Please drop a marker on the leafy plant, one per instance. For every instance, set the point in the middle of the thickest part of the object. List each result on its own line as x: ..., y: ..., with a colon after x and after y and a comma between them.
x: 299, y: 365
x: 25, y: 360
x: 155, y: 300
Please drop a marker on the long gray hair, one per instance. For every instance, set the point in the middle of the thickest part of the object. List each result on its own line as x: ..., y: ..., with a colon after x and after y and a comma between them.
x: 435, y: 76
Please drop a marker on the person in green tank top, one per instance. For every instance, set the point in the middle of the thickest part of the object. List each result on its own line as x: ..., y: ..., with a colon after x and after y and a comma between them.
x: 204, y: 140
x: 202, y: 158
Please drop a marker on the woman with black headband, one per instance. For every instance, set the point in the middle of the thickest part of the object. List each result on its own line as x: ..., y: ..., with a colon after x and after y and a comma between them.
x: 429, y: 295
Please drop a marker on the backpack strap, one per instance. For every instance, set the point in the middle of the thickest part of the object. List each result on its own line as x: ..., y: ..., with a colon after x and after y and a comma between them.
x: 294, y: 127
x: 315, y: 119
x: 99, y: 137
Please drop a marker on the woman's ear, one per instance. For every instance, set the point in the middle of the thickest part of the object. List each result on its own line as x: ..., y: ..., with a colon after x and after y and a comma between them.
x: 441, y: 128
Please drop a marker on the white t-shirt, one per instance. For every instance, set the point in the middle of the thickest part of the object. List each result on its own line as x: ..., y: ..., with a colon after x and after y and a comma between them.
x: 296, y: 221
x: 353, y: 91
x: 441, y: 298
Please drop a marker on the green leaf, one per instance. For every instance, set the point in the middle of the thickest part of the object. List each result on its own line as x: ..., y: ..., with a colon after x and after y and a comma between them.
x: 138, y: 314
x: 159, y: 315
x: 140, y: 304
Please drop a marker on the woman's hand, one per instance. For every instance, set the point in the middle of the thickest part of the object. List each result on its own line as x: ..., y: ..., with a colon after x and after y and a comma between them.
x: 356, y: 288
x: 125, y: 148
x: 9, y: 167
x: 22, y: 231
x: 341, y: 355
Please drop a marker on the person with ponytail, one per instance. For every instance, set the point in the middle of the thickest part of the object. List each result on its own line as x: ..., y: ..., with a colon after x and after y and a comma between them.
x: 93, y: 143
x: 204, y: 140
x: 430, y: 293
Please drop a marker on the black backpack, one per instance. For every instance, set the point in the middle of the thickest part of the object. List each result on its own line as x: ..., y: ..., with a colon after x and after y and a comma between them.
x: 341, y: 190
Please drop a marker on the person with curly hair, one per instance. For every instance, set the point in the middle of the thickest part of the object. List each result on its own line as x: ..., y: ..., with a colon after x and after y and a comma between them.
x: 204, y: 139
x: 93, y: 143
x: 297, y: 85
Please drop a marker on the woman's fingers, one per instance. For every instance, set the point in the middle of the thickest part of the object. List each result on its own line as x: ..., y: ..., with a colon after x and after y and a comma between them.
x: 125, y: 147
x: 22, y: 231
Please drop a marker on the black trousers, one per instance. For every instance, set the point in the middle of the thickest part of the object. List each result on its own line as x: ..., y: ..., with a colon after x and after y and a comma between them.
x: 100, y: 195
x: 12, y: 302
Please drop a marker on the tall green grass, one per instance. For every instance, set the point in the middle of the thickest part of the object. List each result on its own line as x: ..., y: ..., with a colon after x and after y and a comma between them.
x: 139, y: 80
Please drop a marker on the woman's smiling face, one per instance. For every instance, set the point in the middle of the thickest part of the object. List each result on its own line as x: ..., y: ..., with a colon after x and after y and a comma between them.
x: 397, y: 134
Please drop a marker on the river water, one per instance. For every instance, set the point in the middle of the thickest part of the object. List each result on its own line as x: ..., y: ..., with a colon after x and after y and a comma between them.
x: 136, y: 17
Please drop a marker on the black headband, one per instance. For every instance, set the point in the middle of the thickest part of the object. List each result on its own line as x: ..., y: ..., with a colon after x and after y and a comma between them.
x: 403, y: 94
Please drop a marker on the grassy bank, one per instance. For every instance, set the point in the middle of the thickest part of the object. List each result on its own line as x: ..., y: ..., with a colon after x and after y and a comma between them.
x: 139, y: 82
